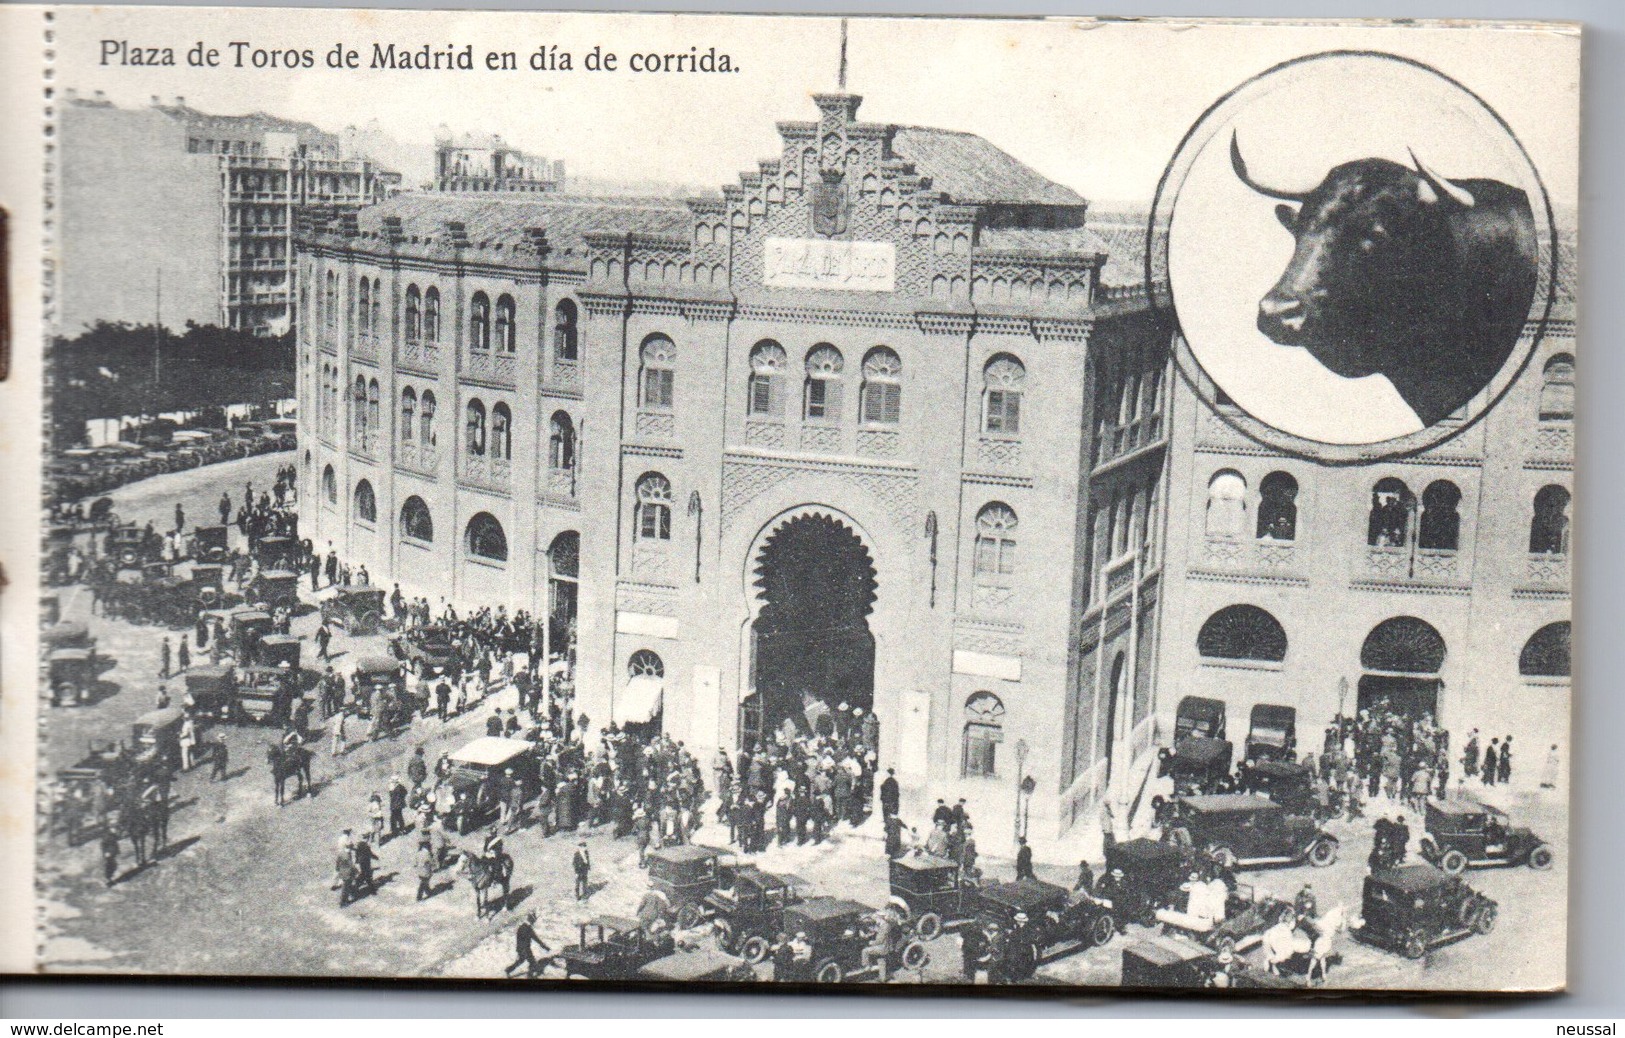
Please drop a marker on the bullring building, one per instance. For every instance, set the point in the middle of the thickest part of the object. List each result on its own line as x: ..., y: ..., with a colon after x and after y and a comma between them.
x: 882, y: 425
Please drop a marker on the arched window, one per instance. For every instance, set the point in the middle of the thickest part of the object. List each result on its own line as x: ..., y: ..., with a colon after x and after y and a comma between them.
x: 767, y: 366
x: 655, y: 381
x: 564, y: 330
x: 376, y: 322
x: 501, y: 432
x: 506, y: 324
x: 822, y: 393
x: 479, y: 322
x: 1226, y: 504
x: 358, y: 410
x: 409, y: 414
x: 1440, y: 526
x: 1242, y: 632
x: 363, y: 310
x: 1546, y: 653
x: 1549, y: 532
x: 426, y: 430
x: 330, y: 485
x: 984, y: 730
x: 881, y: 397
x: 1002, y: 378
x: 995, y: 556
x: 366, y: 503
x: 1389, y: 525
x: 330, y: 301
x: 564, y: 556
x: 1403, y: 645
x: 1557, y: 389
x: 645, y: 664
x: 431, y: 315
x: 476, y: 427
x: 375, y: 418
x: 651, y: 519
x: 414, y: 314
x: 1278, y: 507
x: 415, y: 521
x: 484, y: 538
x: 561, y: 442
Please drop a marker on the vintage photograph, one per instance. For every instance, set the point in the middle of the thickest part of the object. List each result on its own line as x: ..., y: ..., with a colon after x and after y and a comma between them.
x: 719, y: 500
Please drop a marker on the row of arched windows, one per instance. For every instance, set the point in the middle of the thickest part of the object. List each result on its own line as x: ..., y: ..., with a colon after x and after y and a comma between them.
x: 498, y: 443
x: 1397, y: 517
x: 483, y: 331
x: 369, y: 306
x: 365, y: 417
x: 1402, y: 644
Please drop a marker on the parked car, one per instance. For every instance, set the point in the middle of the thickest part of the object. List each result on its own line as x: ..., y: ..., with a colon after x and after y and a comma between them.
x: 1463, y: 834
x: 156, y: 736
x: 931, y: 895
x: 1026, y: 923
x: 1248, y: 912
x: 248, y: 627
x: 1198, y: 715
x: 1197, y: 764
x: 683, y: 876
x: 72, y: 676
x: 612, y: 948
x: 698, y: 965
x: 1288, y: 783
x: 1241, y: 830
x: 428, y: 650
x: 264, y: 695
x: 838, y: 931
x: 213, y: 688
x: 478, y: 778
x: 208, y: 543
x: 1272, y: 733
x: 1414, y: 908
x: 749, y: 914
x: 277, y: 553
x: 275, y: 587
x: 1152, y: 871
x: 1161, y: 961
x: 358, y: 609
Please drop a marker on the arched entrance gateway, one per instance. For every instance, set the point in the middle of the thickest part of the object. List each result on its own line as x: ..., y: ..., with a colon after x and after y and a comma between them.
x: 1401, y: 660
x: 811, y: 649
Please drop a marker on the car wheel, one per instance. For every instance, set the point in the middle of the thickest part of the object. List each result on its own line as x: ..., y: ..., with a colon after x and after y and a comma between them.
x: 1484, y: 919
x: 929, y: 927
x: 1323, y: 853
x: 1415, y: 947
x: 829, y: 972
x: 1223, y: 856
x: 725, y: 936
x: 688, y: 916
x: 1454, y: 863
x: 1541, y: 858
x: 914, y: 956
x: 1102, y: 931
x: 755, y: 949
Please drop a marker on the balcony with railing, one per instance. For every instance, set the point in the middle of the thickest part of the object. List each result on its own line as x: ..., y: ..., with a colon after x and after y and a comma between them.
x: 564, y: 376
x: 1407, y: 564
x: 491, y: 366
x: 421, y: 357
x: 422, y: 459
x: 486, y: 473
x: 1547, y: 571
x: 998, y: 452
x: 364, y: 346
x: 1240, y: 555
x: 1554, y: 441
x: 560, y: 486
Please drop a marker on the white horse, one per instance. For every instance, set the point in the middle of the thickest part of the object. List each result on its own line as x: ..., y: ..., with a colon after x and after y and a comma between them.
x: 1329, y: 928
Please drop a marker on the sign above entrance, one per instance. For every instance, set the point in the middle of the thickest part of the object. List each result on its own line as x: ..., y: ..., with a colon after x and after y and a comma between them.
x: 850, y: 266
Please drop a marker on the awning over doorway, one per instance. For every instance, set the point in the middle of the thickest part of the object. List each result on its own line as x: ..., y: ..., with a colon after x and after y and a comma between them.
x: 639, y: 700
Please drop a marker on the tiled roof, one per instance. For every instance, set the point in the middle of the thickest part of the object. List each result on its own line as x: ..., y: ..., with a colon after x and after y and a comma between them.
x: 506, y: 219
x: 251, y: 124
x: 971, y: 169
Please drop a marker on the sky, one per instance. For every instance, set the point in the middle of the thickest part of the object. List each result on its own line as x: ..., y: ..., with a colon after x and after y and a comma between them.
x: 1100, y: 107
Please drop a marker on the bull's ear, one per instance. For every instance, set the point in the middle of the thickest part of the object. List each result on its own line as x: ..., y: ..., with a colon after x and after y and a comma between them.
x: 1287, y: 215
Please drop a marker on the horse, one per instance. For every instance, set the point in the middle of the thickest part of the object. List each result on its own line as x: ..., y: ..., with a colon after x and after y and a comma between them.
x: 1328, y: 928
x: 485, y: 872
x: 289, y: 762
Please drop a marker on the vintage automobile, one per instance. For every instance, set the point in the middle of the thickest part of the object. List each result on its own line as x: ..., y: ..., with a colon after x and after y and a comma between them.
x: 428, y: 650
x: 838, y: 931
x: 1241, y: 830
x: 54, y: 566
x: 1272, y: 733
x: 612, y: 948
x: 132, y: 546
x: 749, y: 913
x: 208, y: 543
x: 156, y: 735
x: 357, y: 608
x: 477, y: 778
x: 50, y: 608
x: 930, y: 895
x: 1248, y: 912
x: 697, y: 965
x: 1021, y: 925
x: 1152, y: 872
x: 275, y: 587
x: 1197, y: 764
x: 248, y: 627
x: 72, y: 676
x: 264, y: 695
x: 277, y: 649
x: 1463, y: 834
x: 1414, y: 908
x: 68, y: 634
x: 681, y: 877
x: 277, y: 553
x: 1198, y: 715
x: 1286, y: 782
x: 212, y: 688
x: 381, y: 678
x: 1161, y: 961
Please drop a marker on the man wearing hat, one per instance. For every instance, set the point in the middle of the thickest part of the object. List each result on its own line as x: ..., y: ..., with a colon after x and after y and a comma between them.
x: 1024, y: 859
x: 525, y: 943
x: 583, y: 869
x: 890, y: 794
x: 424, y: 865
x: 397, y: 806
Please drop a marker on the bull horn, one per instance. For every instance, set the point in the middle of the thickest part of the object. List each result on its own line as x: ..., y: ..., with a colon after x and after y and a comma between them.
x: 1456, y: 193
x: 1240, y: 166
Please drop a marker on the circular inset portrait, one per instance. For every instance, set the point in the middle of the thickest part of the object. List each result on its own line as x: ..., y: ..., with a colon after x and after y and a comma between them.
x: 1358, y: 253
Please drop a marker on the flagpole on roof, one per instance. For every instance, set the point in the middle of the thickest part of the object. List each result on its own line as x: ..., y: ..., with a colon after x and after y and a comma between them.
x: 842, y: 78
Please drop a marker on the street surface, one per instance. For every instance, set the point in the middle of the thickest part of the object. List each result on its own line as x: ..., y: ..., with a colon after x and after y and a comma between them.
x: 245, y: 888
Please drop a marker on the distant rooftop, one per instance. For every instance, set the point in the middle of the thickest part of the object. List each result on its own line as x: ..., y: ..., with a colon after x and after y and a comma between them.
x: 972, y: 170
x: 494, y: 218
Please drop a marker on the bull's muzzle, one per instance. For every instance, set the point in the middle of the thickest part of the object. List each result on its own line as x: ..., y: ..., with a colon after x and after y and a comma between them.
x: 1281, y: 318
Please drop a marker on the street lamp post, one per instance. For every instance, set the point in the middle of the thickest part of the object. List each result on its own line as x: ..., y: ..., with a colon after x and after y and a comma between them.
x: 1021, y: 785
